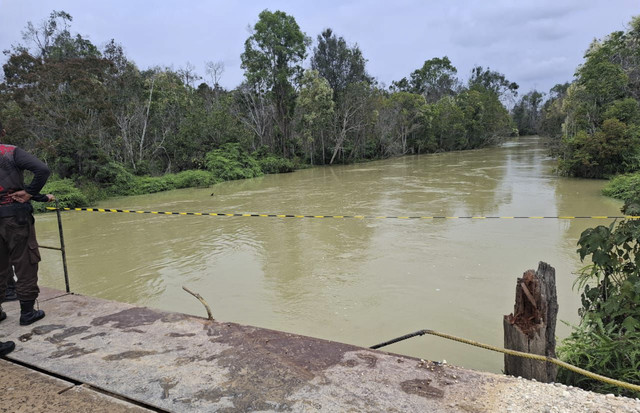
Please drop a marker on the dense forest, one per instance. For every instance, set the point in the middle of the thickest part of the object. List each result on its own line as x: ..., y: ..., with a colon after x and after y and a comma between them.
x: 108, y: 127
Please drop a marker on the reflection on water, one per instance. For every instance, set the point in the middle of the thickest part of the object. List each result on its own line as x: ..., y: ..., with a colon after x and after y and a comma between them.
x: 356, y: 281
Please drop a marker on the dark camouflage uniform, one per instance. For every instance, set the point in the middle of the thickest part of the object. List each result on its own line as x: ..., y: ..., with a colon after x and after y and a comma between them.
x: 18, y: 245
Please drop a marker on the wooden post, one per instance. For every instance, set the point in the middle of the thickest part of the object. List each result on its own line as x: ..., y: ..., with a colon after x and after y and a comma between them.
x: 532, y: 326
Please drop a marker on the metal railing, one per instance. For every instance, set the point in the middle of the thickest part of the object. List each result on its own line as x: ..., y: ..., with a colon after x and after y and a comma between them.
x: 61, y: 249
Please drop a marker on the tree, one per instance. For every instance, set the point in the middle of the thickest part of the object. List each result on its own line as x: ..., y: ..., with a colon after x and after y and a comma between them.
x: 339, y: 63
x: 353, y: 114
x: 272, y: 60
x: 315, y: 111
x: 435, y: 79
x: 256, y: 113
x: 404, y: 114
x: 601, y: 125
x: 188, y: 74
x: 61, y: 93
x: 552, y: 117
x: 492, y: 81
x: 215, y: 70
x: 48, y: 32
x: 612, y: 149
x: 448, y: 126
x: 526, y: 113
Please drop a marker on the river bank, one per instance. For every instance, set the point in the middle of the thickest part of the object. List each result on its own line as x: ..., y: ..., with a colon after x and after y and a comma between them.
x: 226, y: 164
x: 165, y: 361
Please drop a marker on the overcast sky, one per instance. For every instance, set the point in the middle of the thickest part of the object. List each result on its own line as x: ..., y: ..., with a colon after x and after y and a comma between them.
x: 536, y: 43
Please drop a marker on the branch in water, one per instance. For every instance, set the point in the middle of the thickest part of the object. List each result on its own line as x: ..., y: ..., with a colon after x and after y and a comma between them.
x: 204, y: 303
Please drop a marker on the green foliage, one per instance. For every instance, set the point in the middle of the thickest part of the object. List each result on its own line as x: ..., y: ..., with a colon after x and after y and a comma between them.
x: 435, y: 79
x: 625, y: 187
x: 612, y: 149
x: 625, y: 110
x: 526, y: 113
x: 67, y: 194
x: 315, y: 109
x: 492, y: 81
x: 606, y: 341
x: 600, y: 132
x: 191, y: 179
x: 272, y: 60
x: 113, y: 129
x: 448, y: 127
x: 230, y: 162
x: 275, y: 164
x: 552, y: 118
x: 601, y: 351
x: 338, y: 63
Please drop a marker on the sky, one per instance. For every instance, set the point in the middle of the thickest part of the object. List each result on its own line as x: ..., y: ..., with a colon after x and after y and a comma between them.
x: 536, y: 43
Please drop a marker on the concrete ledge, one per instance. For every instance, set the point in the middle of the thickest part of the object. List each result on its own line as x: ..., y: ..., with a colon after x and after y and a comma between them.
x: 25, y: 390
x: 181, y: 363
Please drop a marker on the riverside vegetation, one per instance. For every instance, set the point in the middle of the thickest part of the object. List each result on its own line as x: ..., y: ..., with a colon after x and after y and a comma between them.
x: 106, y: 127
x: 593, y: 126
x: 109, y: 128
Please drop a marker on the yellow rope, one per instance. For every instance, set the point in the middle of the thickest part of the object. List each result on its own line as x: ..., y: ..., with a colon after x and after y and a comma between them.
x: 557, y: 362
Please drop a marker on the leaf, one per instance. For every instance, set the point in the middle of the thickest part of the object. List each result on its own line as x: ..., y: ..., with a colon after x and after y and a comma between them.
x: 630, y: 324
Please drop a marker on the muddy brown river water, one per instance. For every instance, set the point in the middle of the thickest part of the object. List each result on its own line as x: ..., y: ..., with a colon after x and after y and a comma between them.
x: 351, y: 280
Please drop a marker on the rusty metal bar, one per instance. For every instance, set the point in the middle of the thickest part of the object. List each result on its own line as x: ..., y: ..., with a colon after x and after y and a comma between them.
x: 49, y: 248
x: 62, y: 249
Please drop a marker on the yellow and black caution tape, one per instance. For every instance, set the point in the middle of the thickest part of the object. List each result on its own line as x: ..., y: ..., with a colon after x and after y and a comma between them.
x: 515, y: 353
x: 215, y: 214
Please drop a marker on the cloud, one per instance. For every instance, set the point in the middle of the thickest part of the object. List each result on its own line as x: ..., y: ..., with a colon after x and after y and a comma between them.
x: 522, y: 39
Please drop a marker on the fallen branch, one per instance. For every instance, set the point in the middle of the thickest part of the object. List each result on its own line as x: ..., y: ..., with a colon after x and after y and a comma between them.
x: 204, y: 303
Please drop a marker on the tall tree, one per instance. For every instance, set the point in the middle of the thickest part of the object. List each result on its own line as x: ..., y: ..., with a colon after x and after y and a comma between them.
x: 526, y: 113
x: 493, y: 81
x: 435, y: 79
x: 315, y: 112
x: 272, y: 60
x: 338, y: 62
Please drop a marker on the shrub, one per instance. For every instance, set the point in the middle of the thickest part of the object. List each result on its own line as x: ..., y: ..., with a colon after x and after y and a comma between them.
x: 612, y: 149
x: 117, y: 179
x: 602, y: 351
x: 195, y: 178
x: 150, y: 185
x: 606, y: 341
x: 625, y: 187
x: 66, y: 193
x: 273, y: 165
x: 230, y: 162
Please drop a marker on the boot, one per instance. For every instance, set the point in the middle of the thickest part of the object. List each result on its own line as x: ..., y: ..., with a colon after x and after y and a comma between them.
x: 3, y: 315
x: 6, y: 347
x: 10, y: 295
x: 28, y: 314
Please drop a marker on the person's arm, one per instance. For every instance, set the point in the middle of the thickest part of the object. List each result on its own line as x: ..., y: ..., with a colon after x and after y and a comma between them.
x: 43, y: 198
x: 41, y: 172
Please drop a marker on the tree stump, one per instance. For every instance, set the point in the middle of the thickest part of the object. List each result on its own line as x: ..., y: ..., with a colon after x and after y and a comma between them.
x: 532, y: 326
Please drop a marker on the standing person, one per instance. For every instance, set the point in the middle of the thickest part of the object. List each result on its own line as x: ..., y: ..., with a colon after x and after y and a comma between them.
x: 18, y: 245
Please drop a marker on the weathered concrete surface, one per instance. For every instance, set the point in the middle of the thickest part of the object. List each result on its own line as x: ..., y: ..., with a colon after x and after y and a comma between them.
x: 182, y: 363
x: 23, y: 390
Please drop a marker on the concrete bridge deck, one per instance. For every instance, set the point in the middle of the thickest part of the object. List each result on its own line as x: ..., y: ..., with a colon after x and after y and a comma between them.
x: 118, y: 357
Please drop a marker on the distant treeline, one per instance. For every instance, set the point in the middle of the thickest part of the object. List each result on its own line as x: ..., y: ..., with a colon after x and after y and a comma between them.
x: 593, y: 123
x: 93, y: 115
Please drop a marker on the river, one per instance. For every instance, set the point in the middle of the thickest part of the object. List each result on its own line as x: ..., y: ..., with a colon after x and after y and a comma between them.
x: 350, y: 280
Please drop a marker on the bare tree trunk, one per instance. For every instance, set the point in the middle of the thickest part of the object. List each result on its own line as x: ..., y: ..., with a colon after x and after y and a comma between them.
x: 343, y: 135
x: 323, y: 154
x: 146, y: 119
